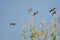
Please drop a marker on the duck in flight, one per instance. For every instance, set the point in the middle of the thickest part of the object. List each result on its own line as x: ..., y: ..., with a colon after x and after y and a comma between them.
x: 53, y: 11
x: 12, y: 24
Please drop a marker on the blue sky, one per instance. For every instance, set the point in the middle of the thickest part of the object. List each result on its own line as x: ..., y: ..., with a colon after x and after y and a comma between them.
x: 17, y: 11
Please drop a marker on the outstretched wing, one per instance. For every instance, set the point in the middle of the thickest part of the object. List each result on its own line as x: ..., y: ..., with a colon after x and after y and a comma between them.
x: 50, y: 10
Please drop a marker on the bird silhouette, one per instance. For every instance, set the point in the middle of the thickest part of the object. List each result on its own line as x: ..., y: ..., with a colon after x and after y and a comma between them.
x: 35, y: 13
x: 12, y: 24
x: 53, y: 11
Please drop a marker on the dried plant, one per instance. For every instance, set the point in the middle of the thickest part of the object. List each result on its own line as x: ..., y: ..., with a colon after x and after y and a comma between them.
x: 24, y: 33
x: 49, y: 33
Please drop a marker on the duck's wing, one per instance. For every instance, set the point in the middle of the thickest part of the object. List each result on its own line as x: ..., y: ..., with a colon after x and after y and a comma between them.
x: 50, y: 10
